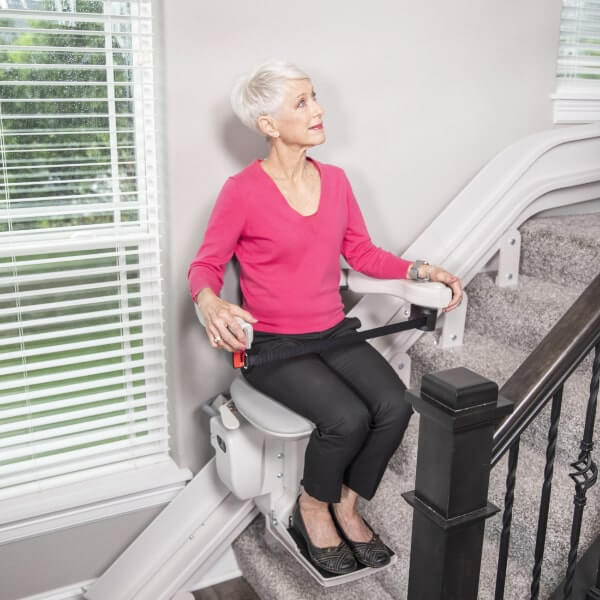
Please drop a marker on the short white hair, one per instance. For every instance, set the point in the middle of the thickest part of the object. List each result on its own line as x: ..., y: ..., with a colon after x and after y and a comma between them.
x: 262, y: 91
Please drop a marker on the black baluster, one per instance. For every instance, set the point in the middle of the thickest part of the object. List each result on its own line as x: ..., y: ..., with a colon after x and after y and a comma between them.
x: 513, y: 459
x: 594, y: 592
x: 540, y: 542
x: 585, y: 475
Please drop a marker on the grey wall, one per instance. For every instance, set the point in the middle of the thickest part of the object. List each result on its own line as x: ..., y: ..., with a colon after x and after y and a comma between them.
x: 417, y: 97
x: 70, y: 555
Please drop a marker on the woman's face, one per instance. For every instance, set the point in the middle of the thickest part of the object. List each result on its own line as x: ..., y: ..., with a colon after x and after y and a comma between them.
x: 300, y: 120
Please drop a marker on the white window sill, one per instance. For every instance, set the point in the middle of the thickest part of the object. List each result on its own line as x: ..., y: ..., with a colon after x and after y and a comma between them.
x: 577, y: 102
x: 87, y: 501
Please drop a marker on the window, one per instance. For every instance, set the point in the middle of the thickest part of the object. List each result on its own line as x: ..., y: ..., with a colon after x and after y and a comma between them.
x: 82, y: 382
x: 577, y: 97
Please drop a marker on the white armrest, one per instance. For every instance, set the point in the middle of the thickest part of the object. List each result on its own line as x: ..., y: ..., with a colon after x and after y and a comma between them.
x: 246, y: 327
x: 428, y: 294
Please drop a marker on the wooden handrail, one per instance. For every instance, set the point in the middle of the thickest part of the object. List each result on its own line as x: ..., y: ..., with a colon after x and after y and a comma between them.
x: 531, y: 386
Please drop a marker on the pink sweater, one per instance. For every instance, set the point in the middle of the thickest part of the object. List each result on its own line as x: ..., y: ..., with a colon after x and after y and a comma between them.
x: 290, y: 264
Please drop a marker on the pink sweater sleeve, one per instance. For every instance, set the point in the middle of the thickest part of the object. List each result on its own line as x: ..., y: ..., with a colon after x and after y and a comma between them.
x: 220, y: 240
x: 360, y: 252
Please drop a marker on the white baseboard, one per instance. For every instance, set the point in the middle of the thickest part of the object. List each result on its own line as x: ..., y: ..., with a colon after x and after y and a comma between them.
x: 225, y: 568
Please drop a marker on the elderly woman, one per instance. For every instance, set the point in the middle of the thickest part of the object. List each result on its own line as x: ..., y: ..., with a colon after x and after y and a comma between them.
x: 288, y: 218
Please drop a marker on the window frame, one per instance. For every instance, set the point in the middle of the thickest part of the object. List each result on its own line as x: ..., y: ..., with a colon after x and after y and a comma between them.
x: 575, y: 100
x: 119, y: 492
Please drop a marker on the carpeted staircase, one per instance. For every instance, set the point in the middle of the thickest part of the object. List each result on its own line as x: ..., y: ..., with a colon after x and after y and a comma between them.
x: 560, y: 256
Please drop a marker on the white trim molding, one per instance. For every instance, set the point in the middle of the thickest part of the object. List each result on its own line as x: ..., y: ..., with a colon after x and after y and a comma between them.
x: 576, y: 101
x: 79, y: 503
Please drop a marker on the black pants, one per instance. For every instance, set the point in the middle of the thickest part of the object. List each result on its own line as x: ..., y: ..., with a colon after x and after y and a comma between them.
x: 352, y: 395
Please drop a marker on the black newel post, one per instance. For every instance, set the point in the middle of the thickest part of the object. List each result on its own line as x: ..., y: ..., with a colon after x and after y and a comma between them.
x: 459, y: 411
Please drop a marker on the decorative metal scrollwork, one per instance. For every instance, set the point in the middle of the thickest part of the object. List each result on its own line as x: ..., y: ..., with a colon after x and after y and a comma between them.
x: 586, y: 473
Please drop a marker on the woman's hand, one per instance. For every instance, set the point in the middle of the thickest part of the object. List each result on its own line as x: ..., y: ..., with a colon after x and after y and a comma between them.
x: 453, y: 282
x: 223, y: 330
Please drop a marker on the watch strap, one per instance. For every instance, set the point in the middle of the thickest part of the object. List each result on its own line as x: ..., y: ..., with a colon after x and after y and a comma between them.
x: 414, y: 271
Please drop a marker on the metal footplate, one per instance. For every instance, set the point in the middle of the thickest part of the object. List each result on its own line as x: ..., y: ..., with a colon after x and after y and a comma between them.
x: 293, y: 542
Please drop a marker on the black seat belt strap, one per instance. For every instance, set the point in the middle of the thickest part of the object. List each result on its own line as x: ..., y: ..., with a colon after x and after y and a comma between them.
x: 422, y: 318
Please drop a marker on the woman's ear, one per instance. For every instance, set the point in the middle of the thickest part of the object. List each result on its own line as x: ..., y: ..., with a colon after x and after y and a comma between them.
x: 267, y: 125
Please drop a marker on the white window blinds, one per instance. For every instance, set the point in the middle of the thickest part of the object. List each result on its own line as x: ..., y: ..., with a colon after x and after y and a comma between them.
x: 577, y: 97
x: 579, y: 52
x: 82, y: 383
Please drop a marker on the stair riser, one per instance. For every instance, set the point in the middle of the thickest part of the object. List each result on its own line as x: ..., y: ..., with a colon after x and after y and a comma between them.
x: 567, y: 255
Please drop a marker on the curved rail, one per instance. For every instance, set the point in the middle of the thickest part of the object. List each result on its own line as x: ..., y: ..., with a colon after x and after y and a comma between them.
x: 542, y: 171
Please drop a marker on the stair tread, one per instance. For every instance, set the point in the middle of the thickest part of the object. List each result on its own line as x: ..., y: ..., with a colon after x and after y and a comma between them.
x: 581, y: 227
x: 487, y: 356
x: 521, y: 316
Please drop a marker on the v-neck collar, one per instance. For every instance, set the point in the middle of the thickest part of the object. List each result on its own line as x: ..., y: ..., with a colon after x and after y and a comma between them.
x: 317, y: 166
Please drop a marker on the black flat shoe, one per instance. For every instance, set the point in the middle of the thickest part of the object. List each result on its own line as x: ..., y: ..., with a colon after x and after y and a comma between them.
x: 338, y: 560
x: 373, y: 553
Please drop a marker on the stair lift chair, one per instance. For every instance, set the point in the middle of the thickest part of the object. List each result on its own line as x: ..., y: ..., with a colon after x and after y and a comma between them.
x: 260, y: 443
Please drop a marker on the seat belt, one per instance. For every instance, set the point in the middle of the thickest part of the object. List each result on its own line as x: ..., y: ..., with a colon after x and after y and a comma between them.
x: 421, y: 318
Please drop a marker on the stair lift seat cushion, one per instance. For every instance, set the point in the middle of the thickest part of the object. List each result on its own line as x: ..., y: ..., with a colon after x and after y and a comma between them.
x: 267, y: 414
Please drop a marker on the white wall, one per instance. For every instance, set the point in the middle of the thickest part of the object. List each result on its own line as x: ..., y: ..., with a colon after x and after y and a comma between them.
x: 417, y: 97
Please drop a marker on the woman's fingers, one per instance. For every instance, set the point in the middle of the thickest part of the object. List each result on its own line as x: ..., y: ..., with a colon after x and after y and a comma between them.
x: 223, y: 341
x: 225, y: 346
x: 217, y: 341
x: 235, y: 326
x: 456, y: 286
x: 222, y: 328
x: 213, y: 337
x: 453, y: 282
x: 244, y: 314
x: 238, y: 333
x: 231, y: 330
x: 226, y: 333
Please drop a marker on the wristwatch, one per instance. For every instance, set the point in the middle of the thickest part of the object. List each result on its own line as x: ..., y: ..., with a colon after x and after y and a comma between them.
x: 413, y: 272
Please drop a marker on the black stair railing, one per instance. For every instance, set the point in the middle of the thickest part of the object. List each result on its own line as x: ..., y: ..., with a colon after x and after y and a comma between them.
x: 459, y: 443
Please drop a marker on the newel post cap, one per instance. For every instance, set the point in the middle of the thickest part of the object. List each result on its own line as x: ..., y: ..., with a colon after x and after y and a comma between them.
x: 459, y: 388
